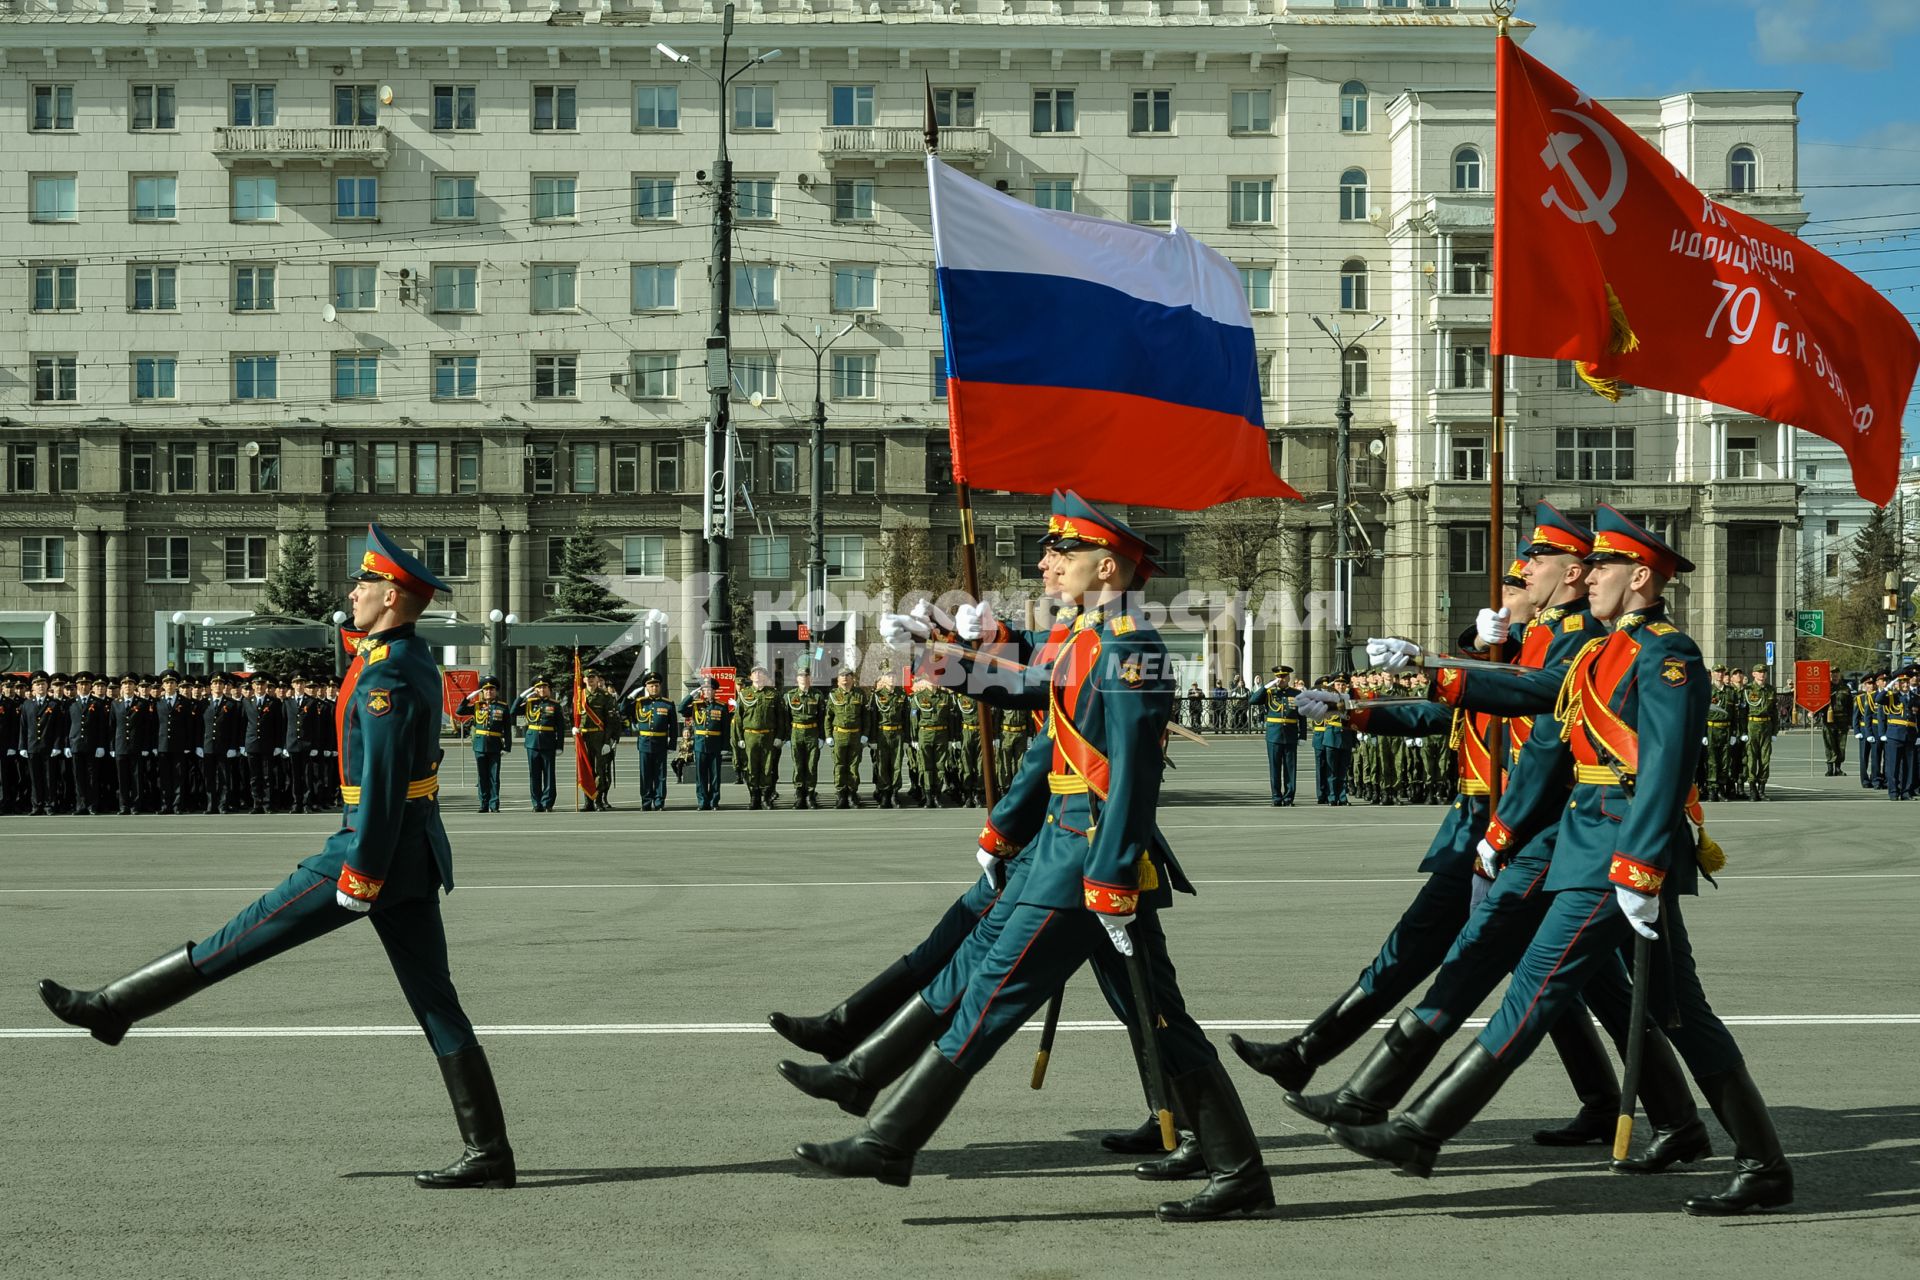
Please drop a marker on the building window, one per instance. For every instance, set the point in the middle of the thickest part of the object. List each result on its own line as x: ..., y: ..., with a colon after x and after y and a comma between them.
x: 556, y: 377
x: 356, y: 199
x: 846, y: 555
x: 1743, y: 170
x: 256, y: 377
x: 1251, y: 200
x: 456, y: 377
x: 854, y: 376
x: 1833, y: 528
x: 937, y: 376
x: 266, y: 469
x: 456, y: 288
x: 1150, y: 200
x: 1355, y: 377
x: 655, y: 287
x: 1353, y: 195
x: 653, y: 199
x: 556, y: 286
x: 753, y: 199
x: 626, y: 468
x: 1466, y: 169
x: 455, y: 197
x: 555, y: 197
x: 1469, y: 458
x: 1353, y: 285
x: 542, y: 471
x: 386, y: 468
x: 554, y: 108
x: 52, y: 107
x: 1833, y: 565
x: 252, y: 106
x: 866, y: 468
x: 785, y: 477
x: 23, y: 468
x: 168, y: 560
x: 756, y: 373
x: 56, y: 287
x: 1565, y: 378
x: 226, y: 467
x: 1152, y: 111
x: 154, y: 288
x: 338, y: 472
x: 1263, y: 373
x: 456, y: 107
x: 66, y: 467
x: 954, y: 108
x: 466, y: 467
x: 56, y: 379
x: 43, y: 559
x: 182, y: 463
x: 355, y: 286
x: 853, y: 199
x: 356, y: 104
x: 666, y: 467
x: 153, y: 377
x: 769, y: 556
x: 1053, y: 193
x: 556, y: 557
x: 656, y: 375
x: 246, y: 558
x: 426, y: 467
x: 856, y: 286
x: 55, y: 197
x: 1353, y: 107
x: 1257, y: 284
x: 1467, y: 550
x: 140, y: 473
x: 1469, y: 366
x: 152, y: 107
x: 584, y: 471
x: 851, y: 105
x: 753, y: 287
x: 1251, y: 111
x: 1053, y: 111
x: 752, y: 107
x: 644, y: 555
x: 356, y: 376
x: 256, y: 199
x: 1602, y: 453
x: 446, y: 557
x: 156, y: 198
x: 1743, y: 457
x: 1472, y: 272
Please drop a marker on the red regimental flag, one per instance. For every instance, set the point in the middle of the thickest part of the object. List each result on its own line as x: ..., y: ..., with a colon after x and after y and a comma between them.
x: 582, y: 757
x: 1603, y: 253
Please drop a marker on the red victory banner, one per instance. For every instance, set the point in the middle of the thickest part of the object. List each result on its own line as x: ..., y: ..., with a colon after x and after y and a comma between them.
x: 1812, y: 685
x: 582, y: 758
x: 1604, y: 254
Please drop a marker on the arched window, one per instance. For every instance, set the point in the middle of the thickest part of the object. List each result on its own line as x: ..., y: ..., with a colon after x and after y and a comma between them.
x: 1466, y: 169
x: 1353, y: 107
x: 1353, y: 371
x: 1353, y: 196
x: 1743, y: 169
x: 1353, y: 285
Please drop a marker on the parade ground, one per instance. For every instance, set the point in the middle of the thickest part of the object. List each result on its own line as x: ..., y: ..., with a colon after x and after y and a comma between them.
x: 622, y: 965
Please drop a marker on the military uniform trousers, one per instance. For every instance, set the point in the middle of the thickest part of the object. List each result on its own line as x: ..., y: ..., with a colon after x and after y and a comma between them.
x: 603, y: 769
x: 886, y: 761
x: 1759, y: 756
x: 1283, y: 754
x: 757, y: 766
x: 706, y: 768
x: 846, y: 760
x: 540, y: 776
x: 1330, y: 765
x: 486, y: 765
x: 806, y: 760
x: 651, y: 747
x: 1718, y: 757
x: 1833, y: 736
x: 1866, y: 759
x: 302, y: 908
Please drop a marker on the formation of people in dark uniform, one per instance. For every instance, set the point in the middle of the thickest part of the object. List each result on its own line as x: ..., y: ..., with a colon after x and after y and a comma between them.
x: 167, y: 743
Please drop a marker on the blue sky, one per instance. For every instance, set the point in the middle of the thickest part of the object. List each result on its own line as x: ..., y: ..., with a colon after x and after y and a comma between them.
x: 1854, y: 62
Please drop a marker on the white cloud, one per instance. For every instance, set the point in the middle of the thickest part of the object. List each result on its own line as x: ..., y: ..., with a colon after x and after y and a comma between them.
x: 1859, y: 35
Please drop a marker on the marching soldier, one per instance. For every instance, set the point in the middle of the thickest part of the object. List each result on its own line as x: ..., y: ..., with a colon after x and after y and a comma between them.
x: 492, y: 739
x: 804, y: 715
x: 656, y: 726
x: 600, y: 727
x: 1272, y: 704
x: 932, y: 713
x: 890, y: 719
x: 848, y: 715
x: 1836, y: 720
x: 541, y: 738
x: 757, y: 724
x: 1762, y: 716
x: 706, y: 720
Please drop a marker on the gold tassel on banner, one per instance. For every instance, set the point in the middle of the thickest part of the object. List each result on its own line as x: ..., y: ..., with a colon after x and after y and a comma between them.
x: 1622, y: 339
x: 1605, y: 388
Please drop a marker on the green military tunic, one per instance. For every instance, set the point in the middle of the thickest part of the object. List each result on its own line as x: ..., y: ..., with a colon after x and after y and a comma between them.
x: 1761, y: 721
x: 805, y: 715
x: 600, y: 725
x: 758, y: 721
x: 932, y: 713
x: 849, y: 719
x: 964, y: 768
x: 888, y: 716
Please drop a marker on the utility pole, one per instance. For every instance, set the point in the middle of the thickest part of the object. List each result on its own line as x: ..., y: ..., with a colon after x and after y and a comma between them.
x: 816, y: 511
x: 1342, y: 499
x: 717, y: 501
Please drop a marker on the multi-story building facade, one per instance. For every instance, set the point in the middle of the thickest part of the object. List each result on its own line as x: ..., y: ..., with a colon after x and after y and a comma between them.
x: 282, y: 266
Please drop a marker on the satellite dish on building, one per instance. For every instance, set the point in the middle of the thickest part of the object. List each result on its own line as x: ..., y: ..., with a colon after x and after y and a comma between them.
x: 756, y: 399
x: 386, y: 95
x: 252, y: 449
x: 328, y: 314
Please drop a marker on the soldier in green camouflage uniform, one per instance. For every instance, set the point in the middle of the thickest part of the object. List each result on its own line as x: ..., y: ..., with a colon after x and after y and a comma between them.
x: 965, y: 767
x: 1016, y: 731
x: 804, y: 710
x: 758, y: 721
x: 849, y: 720
x: 1736, y: 696
x: 932, y: 713
x: 887, y: 726
x: 1761, y: 721
x: 1719, y: 733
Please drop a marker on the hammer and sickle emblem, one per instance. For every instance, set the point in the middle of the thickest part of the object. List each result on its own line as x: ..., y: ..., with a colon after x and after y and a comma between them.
x: 1594, y: 208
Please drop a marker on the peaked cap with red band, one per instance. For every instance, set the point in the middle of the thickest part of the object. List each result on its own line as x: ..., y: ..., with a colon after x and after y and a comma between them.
x: 1515, y: 576
x: 1615, y: 537
x: 1554, y: 534
x: 386, y: 561
x: 1076, y: 524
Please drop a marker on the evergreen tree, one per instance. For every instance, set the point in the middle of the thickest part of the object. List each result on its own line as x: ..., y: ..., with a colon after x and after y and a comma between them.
x: 293, y: 591
x: 1856, y: 621
x: 582, y: 591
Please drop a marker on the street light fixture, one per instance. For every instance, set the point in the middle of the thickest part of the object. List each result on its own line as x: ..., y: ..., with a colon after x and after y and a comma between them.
x: 816, y: 514
x: 1343, y: 436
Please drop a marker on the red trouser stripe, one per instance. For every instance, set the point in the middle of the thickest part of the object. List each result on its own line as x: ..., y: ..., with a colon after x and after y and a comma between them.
x: 1011, y: 969
x: 1571, y: 942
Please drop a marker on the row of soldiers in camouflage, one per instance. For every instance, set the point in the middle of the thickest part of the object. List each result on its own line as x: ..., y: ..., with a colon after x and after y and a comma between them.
x: 1742, y: 719
x: 166, y: 743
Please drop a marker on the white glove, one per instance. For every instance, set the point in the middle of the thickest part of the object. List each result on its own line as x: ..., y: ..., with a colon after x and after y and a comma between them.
x: 1418, y: 742
x: 99, y: 753
x: 1641, y: 911
x: 1391, y: 654
x: 200, y: 752
x: 67, y: 752
x: 1703, y: 740
x: 1491, y: 626
x: 1489, y: 859
x: 995, y: 869
x: 898, y: 630
x: 1318, y: 704
x: 971, y: 621
x: 607, y: 750
x: 312, y: 754
x: 351, y: 903
x: 232, y: 753
x: 1116, y: 927
x: 929, y: 614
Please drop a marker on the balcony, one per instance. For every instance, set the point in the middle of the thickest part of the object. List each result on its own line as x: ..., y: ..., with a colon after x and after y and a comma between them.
x: 1460, y: 311
x: 965, y: 146
x: 1458, y: 212
x: 279, y: 145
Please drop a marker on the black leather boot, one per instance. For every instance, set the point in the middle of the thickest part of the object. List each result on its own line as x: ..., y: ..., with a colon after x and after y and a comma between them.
x: 844, y: 803
x: 834, y: 1033
x: 487, y: 1160
x: 903, y: 1124
x: 1412, y: 1139
x: 1183, y: 1162
x: 1380, y: 1081
x: 1291, y: 1063
x: 108, y: 1011
x: 1143, y: 1141
x: 1237, y: 1181
x: 876, y: 1062
x: 753, y: 798
x: 1591, y: 1071
x: 1762, y: 1178
x: 1679, y: 1135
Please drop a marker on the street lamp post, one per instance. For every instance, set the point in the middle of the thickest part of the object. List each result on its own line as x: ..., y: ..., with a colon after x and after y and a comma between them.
x: 497, y: 626
x: 816, y: 514
x: 1342, y: 441
x: 718, y: 499
x: 177, y: 642
x: 339, y: 644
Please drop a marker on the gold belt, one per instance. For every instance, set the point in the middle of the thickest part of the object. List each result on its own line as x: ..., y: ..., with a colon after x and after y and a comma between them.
x: 759, y: 731
x: 1066, y: 784
x: 1599, y: 775
x: 1905, y: 724
x: 1283, y: 720
x: 424, y: 789
x: 486, y: 733
x: 1474, y: 787
x: 651, y: 733
x: 806, y: 724
x: 1758, y: 719
x: 840, y: 728
x: 708, y: 733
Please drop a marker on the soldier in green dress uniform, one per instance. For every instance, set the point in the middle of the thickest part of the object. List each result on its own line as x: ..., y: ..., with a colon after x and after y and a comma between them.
x: 1271, y: 701
x: 889, y: 727
x: 1735, y: 695
x: 706, y: 720
x: 492, y: 739
x: 804, y: 715
x: 932, y: 713
x: 758, y: 721
x: 541, y: 738
x: 1761, y: 721
x: 849, y: 720
x: 600, y: 726
x: 1835, y: 719
x: 1016, y: 732
x: 656, y: 726
x: 965, y: 769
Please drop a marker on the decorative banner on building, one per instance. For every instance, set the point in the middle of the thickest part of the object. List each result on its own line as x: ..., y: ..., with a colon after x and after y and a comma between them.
x: 1604, y: 254
x: 1114, y: 360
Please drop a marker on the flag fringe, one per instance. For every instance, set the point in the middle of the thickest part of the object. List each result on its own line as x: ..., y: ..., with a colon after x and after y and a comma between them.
x: 1622, y: 339
x: 1605, y: 388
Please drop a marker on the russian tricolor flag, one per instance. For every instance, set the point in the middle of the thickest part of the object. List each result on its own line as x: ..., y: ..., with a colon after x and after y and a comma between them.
x: 1097, y: 356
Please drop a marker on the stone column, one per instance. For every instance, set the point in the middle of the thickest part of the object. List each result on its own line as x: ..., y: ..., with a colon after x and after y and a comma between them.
x: 1318, y: 576
x: 1289, y: 643
x: 87, y: 648
x: 519, y: 589
x: 693, y: 603
x: 116, y: 587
